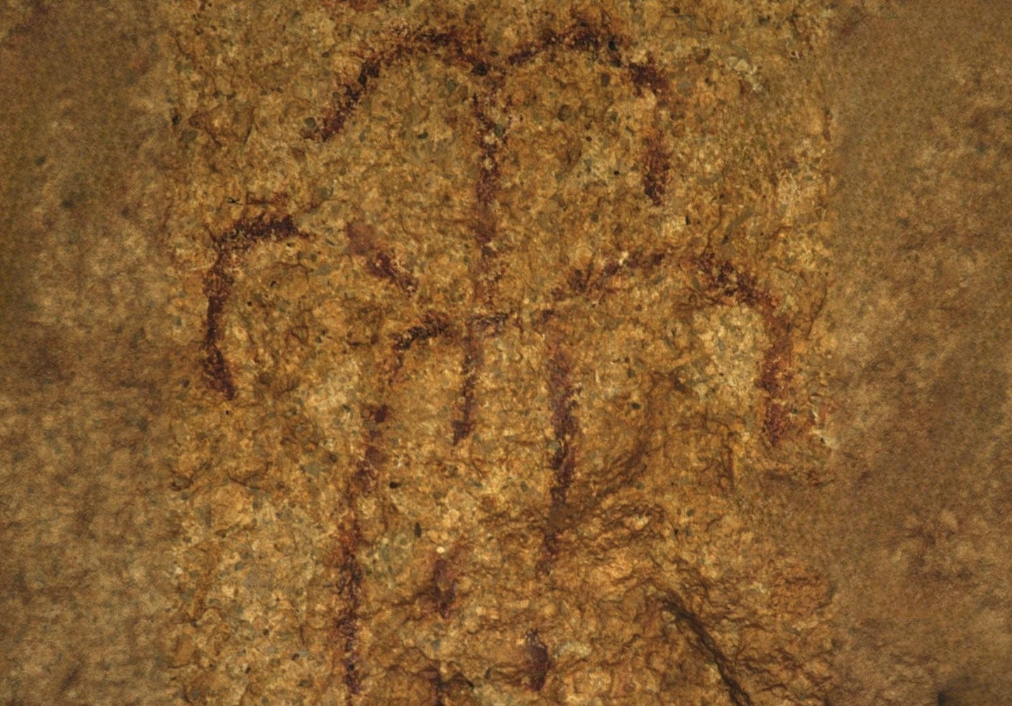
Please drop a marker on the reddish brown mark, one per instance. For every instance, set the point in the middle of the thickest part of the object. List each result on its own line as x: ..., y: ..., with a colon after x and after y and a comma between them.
x: 729, y: 281
x: 443, y: 588
x: 657, y: 159
x: 435, y: 325
x: 349, y: 588
x: 587, y: 280
x: 373, y: 457
x: 230, y: 250
x: 456, y: 47
x: 380, y: 262
x: 565, y: 428
x: 538, y: 662
x: 478, y: 329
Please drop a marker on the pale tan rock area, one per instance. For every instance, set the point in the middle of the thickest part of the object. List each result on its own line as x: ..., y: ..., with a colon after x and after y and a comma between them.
x: 396, y: 352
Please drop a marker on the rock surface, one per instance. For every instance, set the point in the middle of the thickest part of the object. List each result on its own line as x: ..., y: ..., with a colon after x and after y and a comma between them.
x: 388, y: 352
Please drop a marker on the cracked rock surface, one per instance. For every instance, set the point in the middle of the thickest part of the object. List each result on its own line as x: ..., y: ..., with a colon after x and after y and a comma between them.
x: 390, y: 352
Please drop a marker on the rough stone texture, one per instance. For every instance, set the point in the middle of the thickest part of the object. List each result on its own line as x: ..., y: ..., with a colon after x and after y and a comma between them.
x: 388, y: 352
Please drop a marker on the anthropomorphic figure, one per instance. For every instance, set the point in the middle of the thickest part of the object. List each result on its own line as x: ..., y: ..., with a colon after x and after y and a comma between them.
x: 500, y: 395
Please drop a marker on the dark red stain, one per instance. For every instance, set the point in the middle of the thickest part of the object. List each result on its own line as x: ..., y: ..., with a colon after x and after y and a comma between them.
x: 490, y: 145
x: 581, y: 36
x: 648, y: 76
x: 478, y: 328
x: 725, y: 280
x: 349, y: 588
x: 380, y: 262
x: 455, y: 47
x: 473, y: 361
x: 353, y: 94
x: 590, y: 280
x: 373, y: 458
x: 349, y: 569
x: 565, y: 428
x: 448, y: 43
x: 443, y: 587
x: 436, y: 324
x: 440, y: 688
x: 657, y: 160
x: 538, y: 662
x: 383, y: 265
x: 467, y: 50
x: 490, y: 138
x: 230, y: 249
